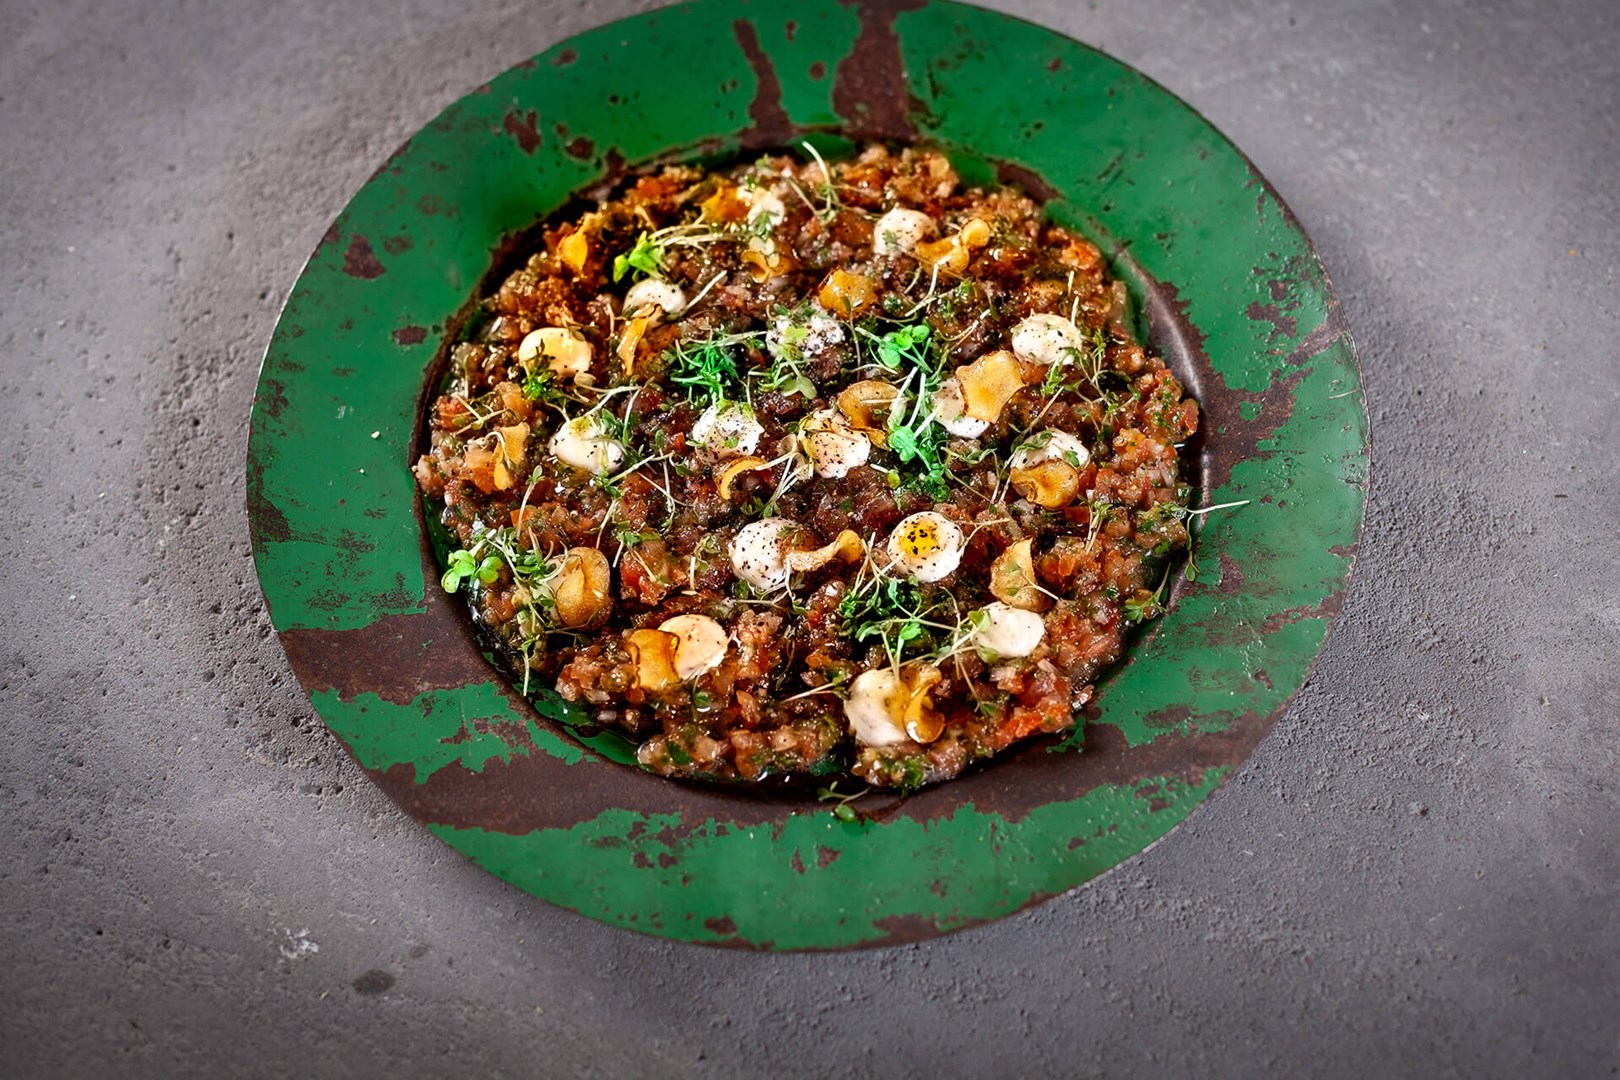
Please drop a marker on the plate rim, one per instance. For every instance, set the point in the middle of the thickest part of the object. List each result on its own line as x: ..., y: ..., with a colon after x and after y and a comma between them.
x: 1340, y: 336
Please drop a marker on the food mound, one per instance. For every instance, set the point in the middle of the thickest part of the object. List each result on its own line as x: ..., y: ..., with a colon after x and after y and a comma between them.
x: 799, y: 468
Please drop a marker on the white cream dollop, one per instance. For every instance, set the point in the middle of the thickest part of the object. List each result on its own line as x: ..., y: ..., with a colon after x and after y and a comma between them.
x: 1007, y: 631
x: 585, y: 444
x: 700, y: 644
x: 1046, y: 339
x: 1052, y: 445
x: 833, y: 446
x: 951, y: 409
x: 900, y: 231
x: 926, y: 545
x: 876, y: 700
x: 566, y: 352
x: 759, y: 552
x: 665, y: 294
x: 729, y: 428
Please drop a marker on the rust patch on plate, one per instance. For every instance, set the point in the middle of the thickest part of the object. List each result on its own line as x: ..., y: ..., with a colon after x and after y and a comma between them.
x: 1039, y: 774
x: 270, y: 525
x: 1327, y: 609
x: 1225, y: 437
x: 1232, y: 578
x: 398, y: 657
x: 771, y: 121
x: 869, y: 85
x: 360, y: 261
x: 538, y: 791
x: 904, y: 929
x: 525, y: 128
x: 1282, y: 326
x: 411, y: 335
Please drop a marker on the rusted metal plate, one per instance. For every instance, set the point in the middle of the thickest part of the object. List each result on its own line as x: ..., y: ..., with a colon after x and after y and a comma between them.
x: 1231, y: 293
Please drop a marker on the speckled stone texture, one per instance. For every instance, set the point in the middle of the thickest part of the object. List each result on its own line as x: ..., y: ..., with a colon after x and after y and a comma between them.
x: 1418, y: 873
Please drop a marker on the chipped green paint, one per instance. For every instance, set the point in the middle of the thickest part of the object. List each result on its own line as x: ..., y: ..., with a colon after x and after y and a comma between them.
x: 1133, y: 165
x: 467, y: 725
x: 1190, y: 226
x: 780, y: 887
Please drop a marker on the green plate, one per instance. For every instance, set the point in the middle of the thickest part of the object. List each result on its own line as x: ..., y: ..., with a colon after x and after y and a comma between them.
x: 1230, y: 291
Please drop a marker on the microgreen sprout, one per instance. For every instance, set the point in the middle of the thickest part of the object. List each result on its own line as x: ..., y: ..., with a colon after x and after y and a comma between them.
x: 1099, y: 510
x: 785, y: 376
x: 706, y: 369
x: 465, y: 566
x: 906, y: 345
x: 827, y: 189
x: 892, y: 611
x: 842, y: 810
x: 915, y: 435
x: 479, y: 419
x: 1190, y: 570
x: 922, y: 443
x: 1086, y: 367
x: 703, y: 292
x: 1209, y: 509
x: 787, y: 354
x: 541, y: 385
x: 646, y: 259
x: 889, y: 609
x: 479, y: 564
x: 1141, y: 609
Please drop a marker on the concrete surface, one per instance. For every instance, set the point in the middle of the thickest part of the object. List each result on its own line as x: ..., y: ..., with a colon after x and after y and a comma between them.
x: 1416, y: 874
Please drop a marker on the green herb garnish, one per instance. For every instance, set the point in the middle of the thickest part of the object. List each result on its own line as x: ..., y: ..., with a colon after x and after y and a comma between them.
x: 706, y: 369
x: 842, y: 810
x: 1142, y: 608
x: 465, y: 566
x: 541, y: 385
x: 890, y: 610
x: 922, y: 444
x: 907, y: 345
x: 645, y: 259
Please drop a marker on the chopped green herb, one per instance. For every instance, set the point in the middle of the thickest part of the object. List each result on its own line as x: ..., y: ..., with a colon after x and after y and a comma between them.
x: 913, y: 774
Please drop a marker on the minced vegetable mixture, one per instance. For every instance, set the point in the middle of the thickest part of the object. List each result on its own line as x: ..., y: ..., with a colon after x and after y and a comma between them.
x: 807, y: 468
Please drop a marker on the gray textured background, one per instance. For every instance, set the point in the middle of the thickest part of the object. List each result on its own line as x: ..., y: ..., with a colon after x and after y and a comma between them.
x: 1417, y: 872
